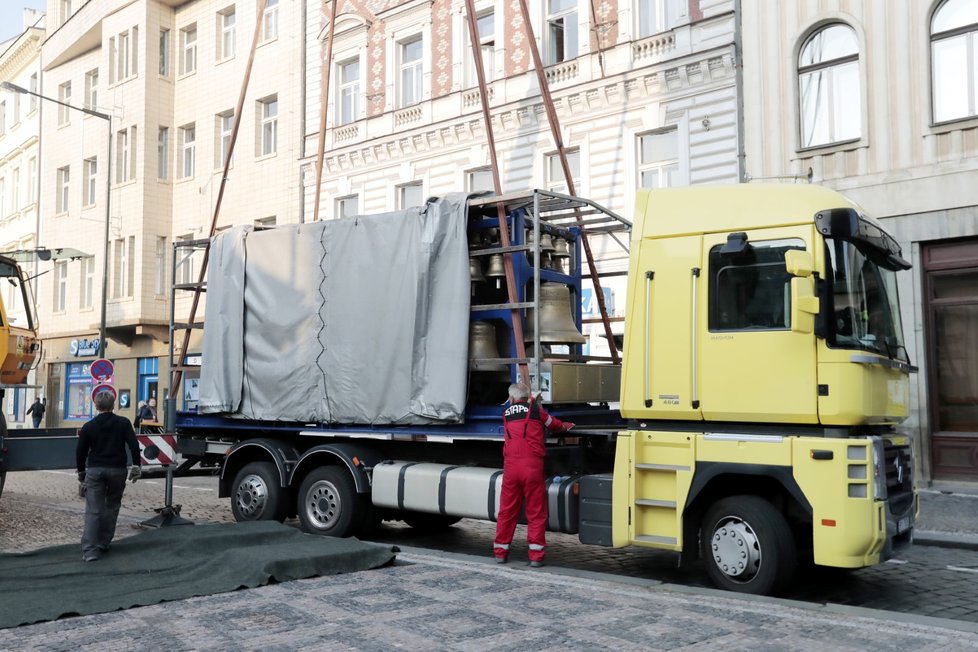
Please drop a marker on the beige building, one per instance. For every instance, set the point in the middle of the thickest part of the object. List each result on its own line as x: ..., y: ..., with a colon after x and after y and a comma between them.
x: 20, y: 120
x: 167, y: 75
x: 880, y: 101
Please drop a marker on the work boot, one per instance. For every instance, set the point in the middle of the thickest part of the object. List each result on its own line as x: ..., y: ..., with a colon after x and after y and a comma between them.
x: 501, y: 560
x: 535, y: 564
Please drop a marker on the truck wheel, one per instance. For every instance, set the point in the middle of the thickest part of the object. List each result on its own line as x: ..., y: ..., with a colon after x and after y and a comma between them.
x: 747, y: 546
x: 257, y: 494
x: 329, y: 503
x: 429, y: 522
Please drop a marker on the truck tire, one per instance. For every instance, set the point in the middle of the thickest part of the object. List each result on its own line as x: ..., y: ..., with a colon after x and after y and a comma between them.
x: 747, y: 546
x: 257, y: 494
x: 329, y: 504
x: 426, y: 522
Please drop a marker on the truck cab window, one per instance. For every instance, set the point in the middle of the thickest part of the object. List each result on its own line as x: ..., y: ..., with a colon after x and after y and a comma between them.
x: 751, y: 290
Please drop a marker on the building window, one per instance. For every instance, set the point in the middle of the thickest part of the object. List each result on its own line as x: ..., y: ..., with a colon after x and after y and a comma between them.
x: 91, y: 89
x: 3, y: 196
x: 225, y: 123
x: 15, y: 190
x: 410, y: 54
x: 87, y: 293
x: 188, y: 49
x: 268, y: 109
x: 270, y: 21
x: 64, y: 178
x: 658, y: 159
x: 486, y: 24
x: 91, y: 168
x: 954, y: 60
x: 65, y: 12
x: 164, y: 53
x: 125, y: 162
x: 124, y: 55
x: 410, y: 195
x: 185, y: 264
x: 64, y: 96
x: 349, y: 91
x: 60, y: 285
x: 225, y: 33
x: 16, y: 109
x: 125, y: 267
x: 163, y: 154
x: 78, y: 392
x: 32, y: 99
x: 31, y: 180
x: 655, y: 16
x: 828, y: 87
x: 479, y: 179
x: 561, y: 34
x: 160, y: 285
x: 347, y: 206
x: 556, y: 180
x: 188, y: 141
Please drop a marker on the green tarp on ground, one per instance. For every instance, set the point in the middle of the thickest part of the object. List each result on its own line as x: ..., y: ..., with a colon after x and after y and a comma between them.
x: 171, y: 564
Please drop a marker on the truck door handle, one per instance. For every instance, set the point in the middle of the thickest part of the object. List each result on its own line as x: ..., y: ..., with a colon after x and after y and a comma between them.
x: 649, y: 275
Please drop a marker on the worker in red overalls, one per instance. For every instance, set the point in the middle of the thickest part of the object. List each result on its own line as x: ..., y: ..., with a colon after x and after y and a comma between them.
x: 523, y: 452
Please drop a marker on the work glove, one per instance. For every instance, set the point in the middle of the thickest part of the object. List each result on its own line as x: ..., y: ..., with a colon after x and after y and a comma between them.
x: 568, y: 425
x: 82, y: 489
x: 134, y: 473
x: 81, y: 477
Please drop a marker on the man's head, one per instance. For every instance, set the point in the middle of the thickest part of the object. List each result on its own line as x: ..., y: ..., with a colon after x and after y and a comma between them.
x: 104, y: 402
x: 519, y: 392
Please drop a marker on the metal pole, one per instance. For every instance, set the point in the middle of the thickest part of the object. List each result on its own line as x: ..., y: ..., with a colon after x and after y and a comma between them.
x: 105, y: 256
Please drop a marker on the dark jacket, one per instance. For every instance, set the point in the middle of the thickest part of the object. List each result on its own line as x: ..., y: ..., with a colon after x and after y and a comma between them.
x: 37, y: 409
x: 102, y: 442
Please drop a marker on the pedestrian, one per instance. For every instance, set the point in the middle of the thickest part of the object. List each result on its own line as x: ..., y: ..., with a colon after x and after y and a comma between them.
x: 36, y: 410
x: 524, y: 448
x: 101, y: 461
x: 147, y: 413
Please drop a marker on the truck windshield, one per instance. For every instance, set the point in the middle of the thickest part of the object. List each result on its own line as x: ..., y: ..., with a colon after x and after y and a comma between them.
x: 865, y: 307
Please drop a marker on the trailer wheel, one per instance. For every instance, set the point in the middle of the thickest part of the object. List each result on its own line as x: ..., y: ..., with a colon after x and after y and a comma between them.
x: 329, y: 503
x: 257, y: 494
x: 429, y: 522
x: 747, y: 546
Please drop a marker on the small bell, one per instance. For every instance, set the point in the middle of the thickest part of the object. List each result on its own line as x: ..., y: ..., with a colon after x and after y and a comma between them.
x: 496, y: 268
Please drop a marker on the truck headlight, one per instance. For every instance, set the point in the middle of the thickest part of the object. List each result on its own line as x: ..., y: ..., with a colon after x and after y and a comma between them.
x: 879, y: 468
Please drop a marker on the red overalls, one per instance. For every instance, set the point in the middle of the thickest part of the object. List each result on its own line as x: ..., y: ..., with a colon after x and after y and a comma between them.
x: 523, y: 453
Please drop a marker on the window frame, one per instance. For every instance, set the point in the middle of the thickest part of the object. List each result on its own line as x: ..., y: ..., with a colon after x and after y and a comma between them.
x: 164, y: 52
x: 188, y: 148
x: 267, y: 127
x: 832, y: 67
x: 188, y: 49
x: 353, y: 87
x: 402, y: 190
x: 163, y: 154
x: 970, y: 33
x: 226, y: 34
x: 415, y: 66
x: 556, y: 52
x: 553, y: 158
x: 90, y: 179
x: 657, y: 165
x: 64, y: 96
x: 60, y: 302
x: 270, y: 17
x: 341, y: 203
x: 63, y: 189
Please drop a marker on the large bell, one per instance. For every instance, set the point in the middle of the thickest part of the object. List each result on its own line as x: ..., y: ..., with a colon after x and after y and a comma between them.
x: 561, y: 249
x: 496, y: 269
x: 556, y: 323
x: 546, y: 242
x: 482, y: 345
x: 475, y: 270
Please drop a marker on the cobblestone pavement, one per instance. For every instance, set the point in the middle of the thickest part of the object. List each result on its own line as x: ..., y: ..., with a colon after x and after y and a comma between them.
x: 41, y: 508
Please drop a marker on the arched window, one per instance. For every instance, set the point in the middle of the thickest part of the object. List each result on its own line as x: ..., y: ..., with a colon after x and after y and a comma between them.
x: 828, y: 87
x: 954, y: 60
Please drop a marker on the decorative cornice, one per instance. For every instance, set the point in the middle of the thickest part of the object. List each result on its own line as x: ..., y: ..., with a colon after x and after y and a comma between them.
x: 19, y: 55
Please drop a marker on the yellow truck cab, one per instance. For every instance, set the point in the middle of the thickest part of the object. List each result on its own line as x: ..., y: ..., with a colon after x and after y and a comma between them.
x: 763, y: 377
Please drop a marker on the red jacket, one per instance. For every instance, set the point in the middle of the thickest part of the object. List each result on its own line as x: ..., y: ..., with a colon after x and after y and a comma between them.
x: 526, y: 427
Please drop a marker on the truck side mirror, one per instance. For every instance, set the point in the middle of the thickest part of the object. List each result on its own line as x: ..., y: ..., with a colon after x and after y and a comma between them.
x: 804, y: 304
x: 799, y: 263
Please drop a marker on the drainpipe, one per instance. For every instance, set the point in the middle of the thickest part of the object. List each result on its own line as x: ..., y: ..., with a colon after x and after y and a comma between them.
x: 739, y: 82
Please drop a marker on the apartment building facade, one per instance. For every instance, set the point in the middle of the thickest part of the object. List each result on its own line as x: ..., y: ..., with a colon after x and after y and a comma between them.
x: 20, y: 120
x: 879, y: 101
x: 168, y: 75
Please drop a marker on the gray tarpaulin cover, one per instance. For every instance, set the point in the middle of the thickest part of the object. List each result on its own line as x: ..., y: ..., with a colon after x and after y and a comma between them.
x: 357, y: 320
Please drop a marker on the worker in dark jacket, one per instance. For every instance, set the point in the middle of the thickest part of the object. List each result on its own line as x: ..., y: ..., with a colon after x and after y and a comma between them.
x: 36, y: 410
x: 524, y: 447
x: 101, y: 462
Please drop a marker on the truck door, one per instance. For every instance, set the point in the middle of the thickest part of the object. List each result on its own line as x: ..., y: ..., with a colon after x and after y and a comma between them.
x: 752, y: 366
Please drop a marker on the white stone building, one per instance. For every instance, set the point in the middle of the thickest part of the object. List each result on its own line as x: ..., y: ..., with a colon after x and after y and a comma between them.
x: 880, y: 101
x: 20, y: 120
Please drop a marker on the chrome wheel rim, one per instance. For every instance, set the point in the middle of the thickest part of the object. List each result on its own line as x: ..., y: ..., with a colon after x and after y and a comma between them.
x: 735, y: 549
x: 322, y: 505
x: 251, y: 496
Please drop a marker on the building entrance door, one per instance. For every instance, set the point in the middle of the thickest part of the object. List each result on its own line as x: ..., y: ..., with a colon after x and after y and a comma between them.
x: 951, y: 283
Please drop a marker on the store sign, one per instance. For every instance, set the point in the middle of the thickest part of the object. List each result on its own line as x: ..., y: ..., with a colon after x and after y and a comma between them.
x: 83, y: 347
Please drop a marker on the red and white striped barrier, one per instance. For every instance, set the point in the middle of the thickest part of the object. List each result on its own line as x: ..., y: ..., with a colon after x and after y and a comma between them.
x: 166, y: 445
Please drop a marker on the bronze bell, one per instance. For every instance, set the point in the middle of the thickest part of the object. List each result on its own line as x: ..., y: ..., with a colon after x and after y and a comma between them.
x: 556, y: 323
x: 475, y: 270
x: 496, y: 269
x: 561, y: 249
x: 546, y: 242
x: 482, y: 346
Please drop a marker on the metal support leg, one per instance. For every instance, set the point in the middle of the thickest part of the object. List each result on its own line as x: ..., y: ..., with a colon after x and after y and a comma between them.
x: 169, y: 514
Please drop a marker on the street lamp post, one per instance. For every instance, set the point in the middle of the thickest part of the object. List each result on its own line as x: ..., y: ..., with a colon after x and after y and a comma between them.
x: 8, y: 86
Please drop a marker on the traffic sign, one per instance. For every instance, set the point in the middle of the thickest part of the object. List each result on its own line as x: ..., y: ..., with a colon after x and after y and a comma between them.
x: 103, y: 387
x: 102, y: 371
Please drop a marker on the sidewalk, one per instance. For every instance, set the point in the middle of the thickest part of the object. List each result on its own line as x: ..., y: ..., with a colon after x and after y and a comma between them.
x: 443, y: 601
x: 948, y: 516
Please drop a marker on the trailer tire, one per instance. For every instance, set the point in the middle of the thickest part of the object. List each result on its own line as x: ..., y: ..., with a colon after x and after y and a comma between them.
x: 257, y: 495
x: 747, y: 546
x: 426, y: 522
x: 329, y: 504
